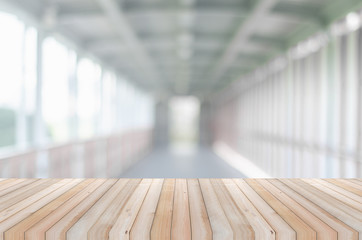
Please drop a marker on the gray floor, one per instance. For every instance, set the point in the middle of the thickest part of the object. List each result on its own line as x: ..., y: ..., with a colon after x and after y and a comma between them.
x: 163, y: 163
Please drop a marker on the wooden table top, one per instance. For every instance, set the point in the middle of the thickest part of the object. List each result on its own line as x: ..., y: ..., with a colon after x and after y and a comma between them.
x: 180, y: 209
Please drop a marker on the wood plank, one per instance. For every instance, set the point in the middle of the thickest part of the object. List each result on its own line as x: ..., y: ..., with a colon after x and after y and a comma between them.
x: 43, y: 224
x: 348, y: 206
x: 239, y: 223
x: 142, y: 226
x: 332, y: 193
x: 324, y: 231
x: 282, y: 229
x: 100, y: 229
x: 344, y: 231
x: 58, y: 188
x: 200, y: 223
x: 59, y: 230
x: 355, y: 185
x: 17, y: 186
x: 80, y: 229
x: 180, y: 209
x: 122, y: 227
x: 181, y: 226
x: 331, y: 205
x: 47, y: 186
x: 345, y: 185
x: 15, y: 193
x: 10, y: 182
x: 261, y: 228
x: 303, y: 230
x: 21, y: 194
x: 219, y: 223
x: 161, y: 228
x: 17, y: 232
x: 356, y: 181
x: 340, y: 190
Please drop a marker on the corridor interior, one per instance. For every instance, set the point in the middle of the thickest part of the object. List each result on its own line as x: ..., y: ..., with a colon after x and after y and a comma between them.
x: 165, y: 163
x: 180, y: 119
x: 181, y: 88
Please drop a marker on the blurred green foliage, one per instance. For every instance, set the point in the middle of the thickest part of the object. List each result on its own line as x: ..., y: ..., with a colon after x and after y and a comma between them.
x: 7, y: 127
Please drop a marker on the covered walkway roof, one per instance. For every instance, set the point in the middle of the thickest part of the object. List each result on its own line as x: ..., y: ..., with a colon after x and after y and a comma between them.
x: 185, y: 46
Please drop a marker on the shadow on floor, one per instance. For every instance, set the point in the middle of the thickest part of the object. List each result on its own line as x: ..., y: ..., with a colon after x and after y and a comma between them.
x: 167, y: 163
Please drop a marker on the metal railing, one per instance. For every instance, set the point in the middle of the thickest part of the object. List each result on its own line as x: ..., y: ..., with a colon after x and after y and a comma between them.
x: 107, y: 156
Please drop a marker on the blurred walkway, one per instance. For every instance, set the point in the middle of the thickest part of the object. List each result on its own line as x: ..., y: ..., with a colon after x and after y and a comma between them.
x: 165, y: 163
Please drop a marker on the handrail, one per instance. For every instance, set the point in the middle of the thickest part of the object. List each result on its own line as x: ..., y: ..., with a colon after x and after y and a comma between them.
x: 104, y: 156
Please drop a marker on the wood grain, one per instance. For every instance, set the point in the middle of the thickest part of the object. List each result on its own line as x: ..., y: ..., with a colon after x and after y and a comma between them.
x: 331, y: 205
x: 282, y: 229
x: 122, y: 227
x: 181, y: 226
x: 220, y: 225
x: 261, y: 227
x: 80, y: 229
x: 303, y: 230
x: 324, y: 231
x: 239, y: 223
x: 343, y: 230
x: 345, y: 185
x: 44, y: 223
x: 161, y: 228
x: 142, y: 226
x: 59, y: 230
x: 18, y: 231
x: 200, y: 209
x: 200, y: 223
x: 101, y: 228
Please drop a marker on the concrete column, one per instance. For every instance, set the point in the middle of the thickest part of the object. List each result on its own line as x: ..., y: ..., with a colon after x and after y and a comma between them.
x: 161, y: 131
x: 205, y: 128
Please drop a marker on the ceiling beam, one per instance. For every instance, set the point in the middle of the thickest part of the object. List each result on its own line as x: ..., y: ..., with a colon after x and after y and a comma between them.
x: 335, y: 10
x: 105, y: 46
x: 132, y: 8
x: 275, y: 43
x: 80, y: 18
x: 145, y: 10
x: 174, y: 11
x: 144, y: 64
x: 241, y: 37
x: 303, y: 12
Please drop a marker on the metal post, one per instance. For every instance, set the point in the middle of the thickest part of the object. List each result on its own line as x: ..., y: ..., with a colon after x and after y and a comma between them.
x: 358, y: 151
x: 39, y: 121
x: 99, y: 121
x: 21, y: 129
x: 342, y: 107
x: 39, y: 126
x: 73, y: 94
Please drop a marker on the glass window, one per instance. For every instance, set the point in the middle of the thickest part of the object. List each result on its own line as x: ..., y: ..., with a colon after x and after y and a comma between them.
x: 30, y: 74
x: 55, y: 89
x: 11, y: 55
x: 89, y: 75
x: 108, y: 102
